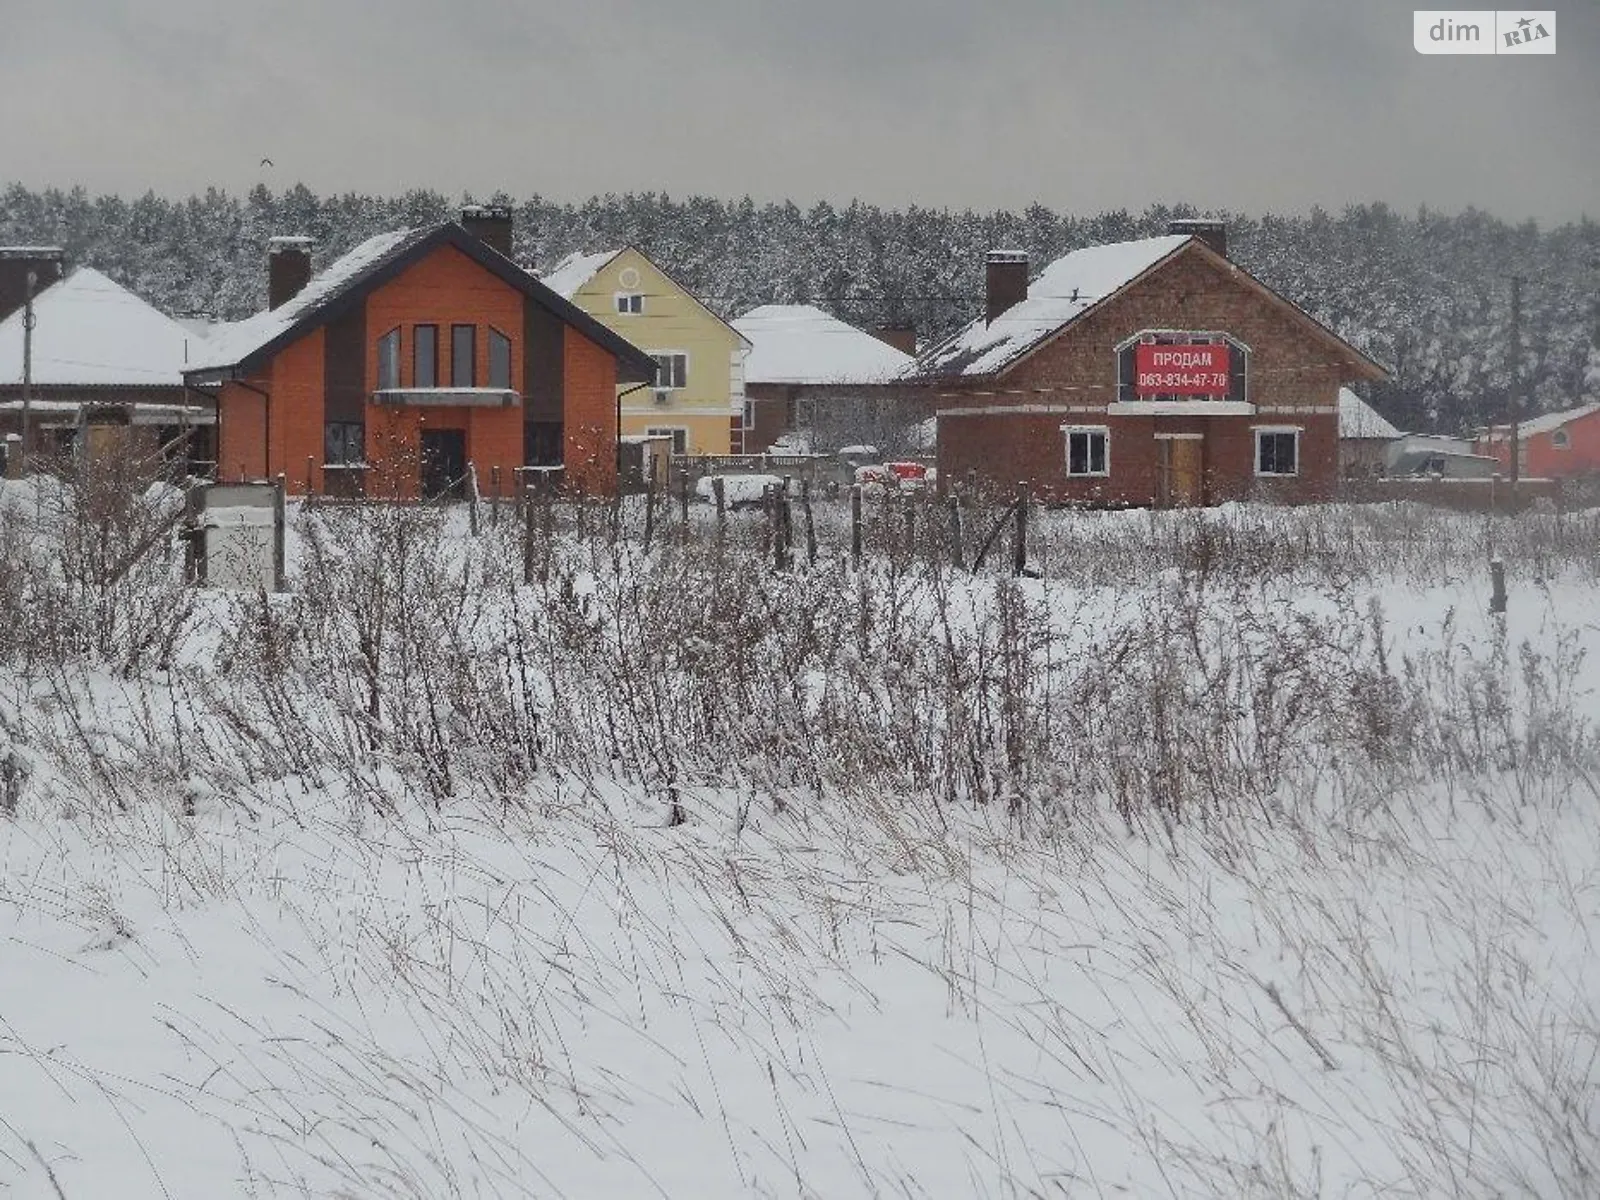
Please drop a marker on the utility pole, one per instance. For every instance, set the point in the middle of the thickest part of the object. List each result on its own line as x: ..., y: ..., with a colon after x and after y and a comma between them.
x: 27, y: 368
x: 1516, y: 379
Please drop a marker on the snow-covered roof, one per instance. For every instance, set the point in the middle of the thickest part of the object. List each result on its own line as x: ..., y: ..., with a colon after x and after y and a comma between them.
x: 569, y: 275
x: 797, y: 343
x: 1358, y: 419
x: 90, y: 331
x: 1064, y: 291
x: 1548, y: 423
x: 232, y: 343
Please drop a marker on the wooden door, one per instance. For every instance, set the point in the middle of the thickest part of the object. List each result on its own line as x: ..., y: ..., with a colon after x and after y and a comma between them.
x: 1182, y: 474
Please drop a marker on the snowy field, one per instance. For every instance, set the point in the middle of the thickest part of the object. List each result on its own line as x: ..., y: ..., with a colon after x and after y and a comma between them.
x: 1239, y: 854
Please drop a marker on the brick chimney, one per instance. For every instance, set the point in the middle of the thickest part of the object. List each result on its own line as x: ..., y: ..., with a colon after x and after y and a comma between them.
x: 288, y: 268
x: 1005, y: 281
x: 902, y: 337
x: 15, y: 263
x: 1212, y: 233
x: 490, y: 224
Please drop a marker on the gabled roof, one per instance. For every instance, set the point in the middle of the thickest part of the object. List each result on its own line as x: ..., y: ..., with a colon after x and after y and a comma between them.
x: 800, y: 344
x: 90, y: 331
x: 568, y: 277
x: 237, y: 349
x: 1358, y: 419
x: 574, y: 272
x: 1075, y: 285
x: 1548, y: 423
x: 1064, y: 291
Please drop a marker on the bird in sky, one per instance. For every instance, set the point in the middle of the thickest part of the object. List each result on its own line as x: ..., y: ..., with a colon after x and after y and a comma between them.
x: 267, y: 162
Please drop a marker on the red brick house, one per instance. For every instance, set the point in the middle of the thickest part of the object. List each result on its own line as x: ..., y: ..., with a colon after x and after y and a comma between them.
x: 1146, y: 372
x: 1554, y: 446
x: 416, y: 353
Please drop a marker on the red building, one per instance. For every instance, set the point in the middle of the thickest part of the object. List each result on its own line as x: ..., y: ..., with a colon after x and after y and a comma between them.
x: 1146, y: 372
x: 1554, y: 446
x: 418, y: 352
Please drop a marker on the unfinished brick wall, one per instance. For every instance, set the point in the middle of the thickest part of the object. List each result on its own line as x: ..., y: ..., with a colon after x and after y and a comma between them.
x: 1069, y: 381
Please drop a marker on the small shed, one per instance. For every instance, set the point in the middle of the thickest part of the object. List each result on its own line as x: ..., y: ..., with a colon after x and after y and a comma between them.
x: 1364, y: 437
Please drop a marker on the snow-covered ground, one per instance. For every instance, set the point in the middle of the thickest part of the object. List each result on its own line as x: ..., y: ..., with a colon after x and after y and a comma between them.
x: 1239, y: 855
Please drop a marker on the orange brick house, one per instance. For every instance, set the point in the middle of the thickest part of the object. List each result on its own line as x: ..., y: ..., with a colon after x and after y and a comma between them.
x: 1556, y: 445
x: 1153, y: 372
x: 417, y: 353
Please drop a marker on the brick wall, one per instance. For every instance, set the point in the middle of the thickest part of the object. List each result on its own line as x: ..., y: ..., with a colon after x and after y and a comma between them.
x: 295, y: 439
x: 589, y: 402
x: 1292, y: 374
x: 241, y: 433
x: 1463, y: 495
x: 1543, y: 459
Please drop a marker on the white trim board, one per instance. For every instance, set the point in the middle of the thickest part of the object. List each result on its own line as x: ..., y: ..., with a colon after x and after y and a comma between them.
x: 1181, y: 408
x: 1018, y: 410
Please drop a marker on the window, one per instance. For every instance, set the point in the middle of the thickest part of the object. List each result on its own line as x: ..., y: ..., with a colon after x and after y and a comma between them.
x: 1560, y: 440
x: 672, y: 370
x: 499, y: 360
x: 748, y: 420
x: 389, y: 360
x: 1277, y: 452
x: 425, y: 356
x: 463, y: 356
x: 344, y: 443
x: 630, y: 302
x: 1087, y: 451
x: 678, y: 434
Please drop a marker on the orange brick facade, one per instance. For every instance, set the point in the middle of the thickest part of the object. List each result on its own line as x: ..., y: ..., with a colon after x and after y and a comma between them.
x: 274, y: 420
x: 1573, y: 449
x: 1017, y: 434
x: 590, y: 448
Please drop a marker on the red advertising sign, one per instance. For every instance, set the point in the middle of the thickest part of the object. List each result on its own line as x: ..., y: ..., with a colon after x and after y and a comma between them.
x: 1198, y: 369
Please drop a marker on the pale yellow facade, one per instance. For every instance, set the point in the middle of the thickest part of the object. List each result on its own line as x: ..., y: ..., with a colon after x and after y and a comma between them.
x: 701, y: 390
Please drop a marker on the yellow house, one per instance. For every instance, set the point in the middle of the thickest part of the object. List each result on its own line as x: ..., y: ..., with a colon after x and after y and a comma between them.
x: 698, y: 397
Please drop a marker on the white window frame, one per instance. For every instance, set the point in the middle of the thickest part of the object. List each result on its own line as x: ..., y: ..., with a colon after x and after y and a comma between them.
x: 658, y: 355
x: 747, y: 415
x: 1561, y: 440
x: 1087, y: 431
x: 675, y: 432
x: 628, y: 304
x: 1260, y: 431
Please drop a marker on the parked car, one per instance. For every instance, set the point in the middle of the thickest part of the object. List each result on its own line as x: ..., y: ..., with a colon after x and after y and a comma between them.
x: 894, y: 476
x: 738, y: 491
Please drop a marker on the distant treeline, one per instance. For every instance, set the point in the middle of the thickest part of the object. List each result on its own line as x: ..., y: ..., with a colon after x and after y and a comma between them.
x: 1427, y: 294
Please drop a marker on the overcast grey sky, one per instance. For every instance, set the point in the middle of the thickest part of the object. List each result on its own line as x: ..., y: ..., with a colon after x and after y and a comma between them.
x: 1264, y: 105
